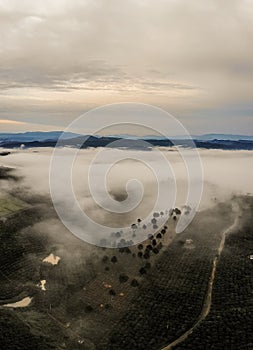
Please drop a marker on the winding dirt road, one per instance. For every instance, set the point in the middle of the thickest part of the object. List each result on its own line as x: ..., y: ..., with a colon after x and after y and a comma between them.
x: 208, y: 299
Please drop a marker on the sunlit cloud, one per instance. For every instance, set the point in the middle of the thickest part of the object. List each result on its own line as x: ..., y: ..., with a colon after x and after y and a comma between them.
x: 11, y: 122
x: 187, y: 57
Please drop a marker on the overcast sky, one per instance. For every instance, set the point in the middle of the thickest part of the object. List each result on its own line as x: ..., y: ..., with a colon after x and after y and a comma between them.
x: 193, y: 58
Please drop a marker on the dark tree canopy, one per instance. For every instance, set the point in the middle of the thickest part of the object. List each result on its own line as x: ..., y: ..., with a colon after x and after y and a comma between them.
x: 105, y: 259
x: 143, y: 271
x: 114, y: 259
x: 123, y: 278
x: 112, y: 292
x: 135, y: 283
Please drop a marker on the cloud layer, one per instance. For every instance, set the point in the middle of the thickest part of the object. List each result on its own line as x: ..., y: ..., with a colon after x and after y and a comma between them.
x: 58, y: 59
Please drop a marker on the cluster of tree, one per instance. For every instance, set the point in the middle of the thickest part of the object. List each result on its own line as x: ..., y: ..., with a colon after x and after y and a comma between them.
x: 170, y: 301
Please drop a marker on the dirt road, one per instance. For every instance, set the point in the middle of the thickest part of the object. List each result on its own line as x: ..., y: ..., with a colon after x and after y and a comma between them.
x: 208, y: 299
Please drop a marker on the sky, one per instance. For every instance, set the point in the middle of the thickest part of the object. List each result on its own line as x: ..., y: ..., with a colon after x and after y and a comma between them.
x: 194, y: 59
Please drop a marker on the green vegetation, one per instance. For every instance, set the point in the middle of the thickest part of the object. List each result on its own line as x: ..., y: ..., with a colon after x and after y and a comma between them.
x: 10, y: 204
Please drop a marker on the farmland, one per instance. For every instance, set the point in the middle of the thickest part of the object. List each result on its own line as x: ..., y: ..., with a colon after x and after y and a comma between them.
x: 229, y: 324
x: 171, y: 298
x: 142, y: 297
x: 10, y: 205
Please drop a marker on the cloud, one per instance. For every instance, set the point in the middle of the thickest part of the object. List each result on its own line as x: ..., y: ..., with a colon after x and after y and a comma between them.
x: 226, y: 173
x: 11, y: 122
x: 185, y: 56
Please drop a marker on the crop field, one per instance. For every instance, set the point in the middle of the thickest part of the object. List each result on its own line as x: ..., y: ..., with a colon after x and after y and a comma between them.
x: 10, y: 205
x: 230, y: 322
x: 113, y: 298
x: 171, y: 298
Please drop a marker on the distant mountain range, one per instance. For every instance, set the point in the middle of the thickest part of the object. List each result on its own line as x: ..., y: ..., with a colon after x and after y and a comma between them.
x: 34, y: 136
x: 204, y: 137
x: 49, y: 139
x: 229, y: 137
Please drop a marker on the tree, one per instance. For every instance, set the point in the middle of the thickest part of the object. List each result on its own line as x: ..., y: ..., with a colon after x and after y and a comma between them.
x: 135, y: 283
x: 88, y: 309
x: 123, y: 278
x: 177, y: 211
x: 143, y: 271
x: 114, y: 259
x: 149, y: 247
x: 146, y: 255
x: 127, y: 250
x: 105, y: 259
x: 118, y: 234
x: 156, y: 251
x: 159, y: 246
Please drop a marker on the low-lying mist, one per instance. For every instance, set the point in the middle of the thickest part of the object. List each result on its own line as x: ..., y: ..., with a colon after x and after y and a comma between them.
x: 225, y: 173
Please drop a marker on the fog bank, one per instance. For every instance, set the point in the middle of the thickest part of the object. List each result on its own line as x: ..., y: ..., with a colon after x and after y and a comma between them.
x: 225, y: 173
